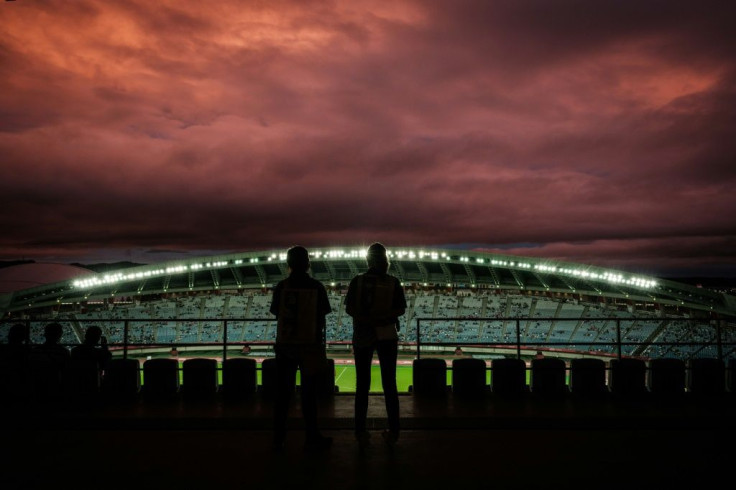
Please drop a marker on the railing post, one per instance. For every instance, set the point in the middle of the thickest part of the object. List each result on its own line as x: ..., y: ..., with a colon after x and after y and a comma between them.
x: 224, y: 340
x: 518, y: 338
x: 125, y: 339
x: 418, y: 338
x: 618, y: 336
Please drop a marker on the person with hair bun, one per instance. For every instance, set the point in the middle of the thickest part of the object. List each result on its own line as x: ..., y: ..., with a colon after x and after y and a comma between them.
x: 375, y: 300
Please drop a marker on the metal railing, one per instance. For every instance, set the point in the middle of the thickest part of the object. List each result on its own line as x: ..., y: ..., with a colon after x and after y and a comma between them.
x: 725, y: 346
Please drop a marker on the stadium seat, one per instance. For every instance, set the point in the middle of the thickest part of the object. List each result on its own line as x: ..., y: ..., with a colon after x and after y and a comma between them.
x: 627, y: 377
x: 508, y: 377
x: 429, y: 377
x: 588, y: 377
x: 239, y: 378
x: 666, y: 376
x: 706, y: 376
x: 121, y: 380
x: 81, y: 380
x: 199, y: 379
x: 469, y: 377
x: 548, y: 377
x: 160, y: 379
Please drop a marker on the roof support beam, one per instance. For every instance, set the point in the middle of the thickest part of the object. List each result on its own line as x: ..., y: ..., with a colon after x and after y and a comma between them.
x: 237, y: 275
x: 470, y: 273
x: 446, y: 271
x: 262, y: 274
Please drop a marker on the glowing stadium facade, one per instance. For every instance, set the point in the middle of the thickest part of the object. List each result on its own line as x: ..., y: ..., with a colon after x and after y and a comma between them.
x: 419, y: 268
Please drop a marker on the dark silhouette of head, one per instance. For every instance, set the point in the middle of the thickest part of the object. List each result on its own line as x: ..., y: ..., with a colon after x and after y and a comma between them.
x: 92, y: 335
x: 297, y: 258
x: 18, y: 334
x: 377, y: 257
x: 53, y: 332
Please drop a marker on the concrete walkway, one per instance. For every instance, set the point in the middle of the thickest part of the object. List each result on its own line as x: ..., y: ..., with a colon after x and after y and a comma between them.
x: 446, y: 443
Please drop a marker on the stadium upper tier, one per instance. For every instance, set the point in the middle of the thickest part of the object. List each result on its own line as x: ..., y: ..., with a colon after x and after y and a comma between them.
x: 337, y: 266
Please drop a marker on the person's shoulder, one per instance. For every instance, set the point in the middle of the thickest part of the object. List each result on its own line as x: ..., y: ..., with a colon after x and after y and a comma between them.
x: 317, y: 283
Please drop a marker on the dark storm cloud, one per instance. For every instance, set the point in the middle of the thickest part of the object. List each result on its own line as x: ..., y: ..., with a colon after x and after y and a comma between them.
x: 599, y: 132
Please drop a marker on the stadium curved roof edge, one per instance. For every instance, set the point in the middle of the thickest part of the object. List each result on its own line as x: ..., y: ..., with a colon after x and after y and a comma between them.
x: 335, y: 266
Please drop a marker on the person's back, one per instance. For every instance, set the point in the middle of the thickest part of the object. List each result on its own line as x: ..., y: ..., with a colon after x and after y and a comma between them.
x: 90, y: 350
x: 51, y: 350
x: 375, y: 300
x: 300, y: 305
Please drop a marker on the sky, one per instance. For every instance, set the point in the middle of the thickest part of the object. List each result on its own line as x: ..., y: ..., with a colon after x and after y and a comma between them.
x: 595, y: 132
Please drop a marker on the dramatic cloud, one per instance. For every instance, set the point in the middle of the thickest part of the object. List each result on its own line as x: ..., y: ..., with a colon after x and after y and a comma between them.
x: 598, y: 132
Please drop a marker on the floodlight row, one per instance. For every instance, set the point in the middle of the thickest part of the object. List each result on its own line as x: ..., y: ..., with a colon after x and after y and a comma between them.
x: 612, y: 277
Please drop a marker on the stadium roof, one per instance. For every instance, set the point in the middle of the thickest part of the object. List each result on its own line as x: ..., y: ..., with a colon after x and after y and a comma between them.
x: 25, y: 276
x: 419, y: 267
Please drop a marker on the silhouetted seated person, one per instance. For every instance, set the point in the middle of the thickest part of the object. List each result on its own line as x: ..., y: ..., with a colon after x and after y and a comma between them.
x: 13, y: 362
x: 17, y: 348
x: 48, y: 361
x: 93, y: 348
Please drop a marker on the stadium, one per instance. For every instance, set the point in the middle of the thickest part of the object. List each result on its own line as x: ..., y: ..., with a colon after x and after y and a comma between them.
x: 465, y: 309
x: 476, y: 304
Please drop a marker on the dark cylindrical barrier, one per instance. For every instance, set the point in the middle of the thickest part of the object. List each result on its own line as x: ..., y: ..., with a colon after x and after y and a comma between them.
x: 548, y: 377
x: 239, y: 378
x: 160, y: 379
x: 588, y: 377
x: 429, y: 377
x: 469, y: 377
x: 199, y: 378
x: 508, y: 377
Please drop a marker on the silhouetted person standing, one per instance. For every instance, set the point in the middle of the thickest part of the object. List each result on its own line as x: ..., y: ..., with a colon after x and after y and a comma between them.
x: 300, y: 304
x: 93, y: 348
x: 376, y: 300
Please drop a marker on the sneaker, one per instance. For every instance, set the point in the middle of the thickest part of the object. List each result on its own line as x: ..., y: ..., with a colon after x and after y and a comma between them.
x: 319, y: 443
x: 391, y: 438
x: 363, y: 438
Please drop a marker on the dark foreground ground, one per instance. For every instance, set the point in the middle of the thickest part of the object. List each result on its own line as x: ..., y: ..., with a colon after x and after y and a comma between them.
x: 446, y: 443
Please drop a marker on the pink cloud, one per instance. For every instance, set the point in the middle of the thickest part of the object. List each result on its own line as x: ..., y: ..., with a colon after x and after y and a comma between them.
x: 241, y: 125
